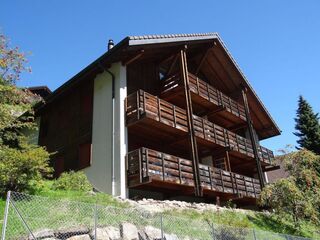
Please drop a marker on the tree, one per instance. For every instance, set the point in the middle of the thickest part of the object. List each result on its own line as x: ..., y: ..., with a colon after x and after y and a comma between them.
x: 307, y: 126
x: 21, y: 163
x: 298, y: 195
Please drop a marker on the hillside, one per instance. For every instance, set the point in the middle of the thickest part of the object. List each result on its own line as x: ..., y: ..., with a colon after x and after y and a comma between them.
x: 218, y: 215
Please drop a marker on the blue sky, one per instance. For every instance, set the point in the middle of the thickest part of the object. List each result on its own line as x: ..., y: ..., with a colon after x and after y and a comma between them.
x: 276, y: 43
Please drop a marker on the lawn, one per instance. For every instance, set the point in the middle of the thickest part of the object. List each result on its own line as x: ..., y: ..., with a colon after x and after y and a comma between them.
x: 69, y: 208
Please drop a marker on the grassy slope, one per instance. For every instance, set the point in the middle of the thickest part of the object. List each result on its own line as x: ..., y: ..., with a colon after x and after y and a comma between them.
x: 249, y: 219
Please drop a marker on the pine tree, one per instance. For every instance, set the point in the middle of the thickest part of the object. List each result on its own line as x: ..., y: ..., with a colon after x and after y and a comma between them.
x: 307, y: 126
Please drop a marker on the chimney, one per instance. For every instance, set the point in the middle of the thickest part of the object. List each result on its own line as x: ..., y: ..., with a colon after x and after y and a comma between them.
x: 110, y: 44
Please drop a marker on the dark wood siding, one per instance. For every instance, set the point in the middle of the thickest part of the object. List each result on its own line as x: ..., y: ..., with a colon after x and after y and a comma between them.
x: 66, y: 129
x: 143, y: 75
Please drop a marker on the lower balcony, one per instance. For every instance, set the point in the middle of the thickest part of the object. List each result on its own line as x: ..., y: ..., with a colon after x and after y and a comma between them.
x: 154, y: 170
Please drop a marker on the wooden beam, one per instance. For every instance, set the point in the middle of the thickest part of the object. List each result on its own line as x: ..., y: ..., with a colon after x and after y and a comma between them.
x: 254, y: 141
x: 219, y: 109
x: 238, y: 127
x: 172, y: 65
x: 131, y: 60
x: 267, y: 169
x: 177, y: 140
x: 202, y: 61
x: 228, y: 161
x: 192, y: 138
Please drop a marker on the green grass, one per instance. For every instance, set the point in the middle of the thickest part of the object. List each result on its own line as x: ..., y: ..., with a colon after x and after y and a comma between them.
x: 56, y: 212
x: 252, y: 219
x: 2, y: 206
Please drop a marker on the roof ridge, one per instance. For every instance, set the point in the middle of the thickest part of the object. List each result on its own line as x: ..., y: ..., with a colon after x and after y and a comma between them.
x: 160, y: 36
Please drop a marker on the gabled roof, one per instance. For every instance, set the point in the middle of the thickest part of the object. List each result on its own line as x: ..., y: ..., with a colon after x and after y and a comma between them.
x: 153, y: 39
x: 133, y: 44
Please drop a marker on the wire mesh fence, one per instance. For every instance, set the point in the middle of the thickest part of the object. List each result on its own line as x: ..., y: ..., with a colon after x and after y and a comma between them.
x: 35, y: 217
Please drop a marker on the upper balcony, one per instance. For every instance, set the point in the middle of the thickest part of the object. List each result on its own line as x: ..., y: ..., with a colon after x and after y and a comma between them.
x: 222, y: 108
x: 150, y: 116
x: 150, y: 168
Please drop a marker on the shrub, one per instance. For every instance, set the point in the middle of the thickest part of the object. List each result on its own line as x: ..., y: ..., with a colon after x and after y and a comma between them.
x: 19, y: 168
x: 72, y: 181
x: 297, y: 195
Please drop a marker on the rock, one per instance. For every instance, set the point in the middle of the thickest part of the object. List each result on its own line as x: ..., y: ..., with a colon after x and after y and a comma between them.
x: 142, y: 235
x: 69, y: 232
x: 171, y: 237
x: 112, y: 232
x: 45, y: 233
x: 128, y: 231
x: 101, y: 234
x: 152, y: 233
x: 80, y: 237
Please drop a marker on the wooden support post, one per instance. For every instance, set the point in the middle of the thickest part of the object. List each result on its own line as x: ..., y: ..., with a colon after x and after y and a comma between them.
x: 253, y: 138
x: 228, y: 161
x: 193, y: 142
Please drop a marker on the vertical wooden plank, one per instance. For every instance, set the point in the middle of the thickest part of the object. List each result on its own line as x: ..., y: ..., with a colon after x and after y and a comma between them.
x: 245, y: 185
x: 192, y: 139
x: 207, y: 87
x: 163, y: 173
x: 138, y: 104
x: 203, y: 129
x: 232, y: 182
x: 235, y: 177
x: 198, y: 91
x: 144, y: 102
x: 253, y: 138
x: 228, y: 161
x: 159, y: 109
x: 179, y: 167
x: 226, y: 142
x: 254, y: 188
x: 147, y: 162
x: 222, y: 183
x: 174, y: 116
x: 210, y: 176
x: 215, y: 133
x: 140, y: 164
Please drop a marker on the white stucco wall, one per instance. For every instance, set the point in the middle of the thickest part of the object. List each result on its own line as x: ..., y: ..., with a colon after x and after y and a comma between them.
x: 100, y: 171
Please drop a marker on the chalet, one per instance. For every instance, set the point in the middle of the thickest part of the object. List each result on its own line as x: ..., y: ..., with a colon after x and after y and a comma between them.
x: 168, y: 116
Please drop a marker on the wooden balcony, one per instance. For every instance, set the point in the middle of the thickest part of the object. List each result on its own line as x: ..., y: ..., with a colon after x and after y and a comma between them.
x: 150, y: 168
x: 225, y: 110
x: 148, y: 115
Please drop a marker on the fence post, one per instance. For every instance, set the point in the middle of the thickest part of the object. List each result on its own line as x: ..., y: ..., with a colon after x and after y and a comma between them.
x: 212, y: 228
x: 161, y: 225
x: 254, y: 234
x: 95, y: 221
x: 5, y: 219
x: 22, y: 219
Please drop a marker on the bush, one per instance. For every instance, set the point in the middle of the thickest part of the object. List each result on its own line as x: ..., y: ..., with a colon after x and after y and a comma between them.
x: 20, y: 168
x: 72, y: 181
x: 297, y: 195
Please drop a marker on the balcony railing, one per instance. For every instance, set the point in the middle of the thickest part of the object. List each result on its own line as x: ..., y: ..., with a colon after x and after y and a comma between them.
x: 141, y: 104
x: 207, y: 92
x: 145, y: 165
